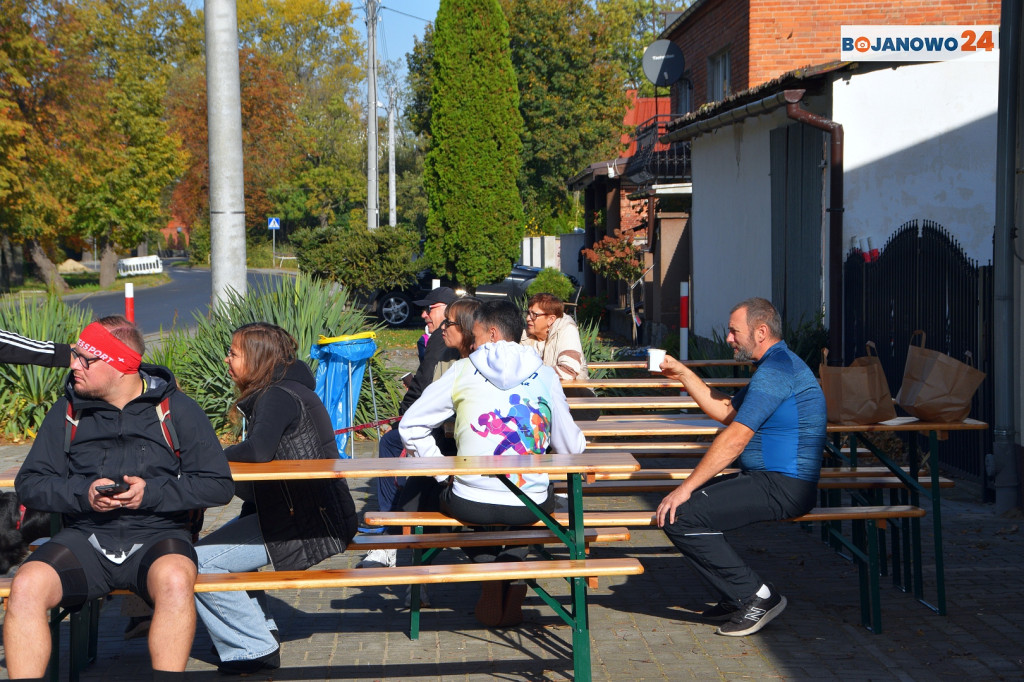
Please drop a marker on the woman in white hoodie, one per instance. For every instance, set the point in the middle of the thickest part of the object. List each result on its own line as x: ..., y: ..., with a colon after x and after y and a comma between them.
x: 505, y: 402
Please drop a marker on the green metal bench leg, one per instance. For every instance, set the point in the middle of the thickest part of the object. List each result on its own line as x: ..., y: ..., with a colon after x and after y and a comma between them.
x: 414, y: 594
x: 940, y: 568
x: 863, y: 577
x: 873, y: 586
x: 78, y: 644
x: 581, y: 618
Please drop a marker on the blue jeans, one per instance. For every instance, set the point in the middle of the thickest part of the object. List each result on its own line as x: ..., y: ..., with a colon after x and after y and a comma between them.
x: 387, y: 486
x: 238, y: 622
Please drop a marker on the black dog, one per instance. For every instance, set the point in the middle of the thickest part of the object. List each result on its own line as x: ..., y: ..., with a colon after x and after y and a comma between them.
x: 18, y: 528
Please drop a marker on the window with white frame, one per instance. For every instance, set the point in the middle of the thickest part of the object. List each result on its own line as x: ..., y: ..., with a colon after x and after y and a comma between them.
x: 718, y: 76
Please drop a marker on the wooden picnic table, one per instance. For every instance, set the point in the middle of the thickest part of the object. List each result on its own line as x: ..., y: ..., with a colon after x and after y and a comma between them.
x: 652, y: 382
x: 574, y: 467
x: 684, y: 427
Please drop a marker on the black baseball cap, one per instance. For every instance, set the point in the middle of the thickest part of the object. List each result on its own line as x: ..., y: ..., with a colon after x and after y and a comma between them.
x: 444, y: 295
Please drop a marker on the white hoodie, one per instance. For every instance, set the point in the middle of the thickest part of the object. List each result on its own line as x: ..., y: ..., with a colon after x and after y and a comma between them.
x: 505, y: 401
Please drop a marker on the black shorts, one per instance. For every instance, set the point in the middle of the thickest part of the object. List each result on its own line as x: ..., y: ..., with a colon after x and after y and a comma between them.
x: 86, y: 574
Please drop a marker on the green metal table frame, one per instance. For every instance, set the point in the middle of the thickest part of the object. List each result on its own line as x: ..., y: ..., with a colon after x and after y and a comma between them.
x: 912, y: 571
x: 576, y: 616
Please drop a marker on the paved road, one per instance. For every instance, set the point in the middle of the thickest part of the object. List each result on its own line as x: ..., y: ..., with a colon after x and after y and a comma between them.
x: 170, y: 305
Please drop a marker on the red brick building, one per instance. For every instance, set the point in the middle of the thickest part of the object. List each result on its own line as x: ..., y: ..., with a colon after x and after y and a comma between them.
x: 734, y: 45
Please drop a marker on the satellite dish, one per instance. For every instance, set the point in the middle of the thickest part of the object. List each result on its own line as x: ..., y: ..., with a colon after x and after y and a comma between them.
x: 663, y: 63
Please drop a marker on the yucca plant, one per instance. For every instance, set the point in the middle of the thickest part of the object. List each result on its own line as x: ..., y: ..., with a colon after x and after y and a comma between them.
x: 27, y: 392
x: 307, y: 308
x: 594, y: 349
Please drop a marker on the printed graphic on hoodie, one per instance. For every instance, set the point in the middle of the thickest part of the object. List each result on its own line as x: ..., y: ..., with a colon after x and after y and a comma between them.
x: 525, y: 429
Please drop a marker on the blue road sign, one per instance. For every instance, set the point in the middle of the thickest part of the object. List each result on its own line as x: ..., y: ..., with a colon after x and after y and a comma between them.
x: 273, y: 223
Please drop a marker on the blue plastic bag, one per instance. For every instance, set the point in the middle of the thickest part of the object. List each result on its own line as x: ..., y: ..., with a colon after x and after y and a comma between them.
x: 339, y: 378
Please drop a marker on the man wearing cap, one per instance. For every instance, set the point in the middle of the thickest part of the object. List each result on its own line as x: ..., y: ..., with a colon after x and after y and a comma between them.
x: 434, y: 305
x: 109, y: 428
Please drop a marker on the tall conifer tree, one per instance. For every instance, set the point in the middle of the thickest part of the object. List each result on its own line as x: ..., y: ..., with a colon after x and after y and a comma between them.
x: 475, y: 220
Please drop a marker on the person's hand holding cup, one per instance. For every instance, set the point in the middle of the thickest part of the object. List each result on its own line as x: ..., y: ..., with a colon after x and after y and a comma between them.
x: 655, y: 356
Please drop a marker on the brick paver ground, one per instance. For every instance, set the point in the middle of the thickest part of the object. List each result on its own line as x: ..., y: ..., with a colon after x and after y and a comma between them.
x: 644, y: 627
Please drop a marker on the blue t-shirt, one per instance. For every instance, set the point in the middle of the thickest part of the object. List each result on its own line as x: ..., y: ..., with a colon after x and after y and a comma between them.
x: 784, y: 406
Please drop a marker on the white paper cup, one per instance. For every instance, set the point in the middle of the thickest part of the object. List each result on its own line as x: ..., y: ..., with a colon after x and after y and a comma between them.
x: 655, y: 356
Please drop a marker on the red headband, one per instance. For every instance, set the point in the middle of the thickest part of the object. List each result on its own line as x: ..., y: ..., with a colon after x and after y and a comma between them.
x: 98, y: 340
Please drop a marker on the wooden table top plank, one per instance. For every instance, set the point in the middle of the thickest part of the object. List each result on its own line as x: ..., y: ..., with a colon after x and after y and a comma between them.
x: 707, y: 427
x: 372, y: 467
x: 642, y: 364
x: 652, y: 382
x: 633, y: 402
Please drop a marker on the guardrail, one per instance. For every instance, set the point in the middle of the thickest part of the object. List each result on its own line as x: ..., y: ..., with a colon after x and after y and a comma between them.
x: 141, y: 265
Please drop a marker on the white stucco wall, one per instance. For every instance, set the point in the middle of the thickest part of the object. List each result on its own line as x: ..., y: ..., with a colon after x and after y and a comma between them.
x: 920, y: 143
x: 731, y: 219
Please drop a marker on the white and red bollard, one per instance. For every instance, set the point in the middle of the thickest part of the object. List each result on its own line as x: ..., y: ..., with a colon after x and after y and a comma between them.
x: 129, y: 301
x: 684, y: 320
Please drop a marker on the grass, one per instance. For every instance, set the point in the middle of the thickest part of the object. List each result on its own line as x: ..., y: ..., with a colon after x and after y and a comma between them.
x: 390, y: 337
x: 89, y: 282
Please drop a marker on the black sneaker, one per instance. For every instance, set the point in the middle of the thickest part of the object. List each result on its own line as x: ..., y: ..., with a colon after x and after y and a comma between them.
x: 754, y: 613
x: 720, y: 612
x: 271, y: 661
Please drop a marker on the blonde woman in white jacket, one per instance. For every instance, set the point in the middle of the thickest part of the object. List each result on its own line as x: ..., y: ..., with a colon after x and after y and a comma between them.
x: 555, y: 337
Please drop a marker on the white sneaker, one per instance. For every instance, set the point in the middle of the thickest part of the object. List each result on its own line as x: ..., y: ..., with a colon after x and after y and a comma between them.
x: 424, y: 598
x: 379, y: 558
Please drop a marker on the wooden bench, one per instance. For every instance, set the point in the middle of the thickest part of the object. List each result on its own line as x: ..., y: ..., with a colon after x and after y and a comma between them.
x: 403, y: 575
x: 863, y: 546
x: 665, y: 480
x: 84, y: 623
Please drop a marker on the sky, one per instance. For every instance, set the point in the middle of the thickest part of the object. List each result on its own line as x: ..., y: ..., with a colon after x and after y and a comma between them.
x: 399, y: 22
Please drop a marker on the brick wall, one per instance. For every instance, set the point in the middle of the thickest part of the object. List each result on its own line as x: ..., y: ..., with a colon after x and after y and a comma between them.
x: 714, y: 26
x: 767, y: 38
x: 788, y: 34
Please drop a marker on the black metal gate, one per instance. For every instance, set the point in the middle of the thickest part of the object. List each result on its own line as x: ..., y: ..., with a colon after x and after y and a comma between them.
x: 922, y: 280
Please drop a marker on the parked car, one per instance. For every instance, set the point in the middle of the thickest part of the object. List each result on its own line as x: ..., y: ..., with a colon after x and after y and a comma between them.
x: 396, y: 308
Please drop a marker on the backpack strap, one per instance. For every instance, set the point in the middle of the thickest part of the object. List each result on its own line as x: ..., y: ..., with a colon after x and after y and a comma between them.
x: 163, y: 413
x: 70, y: 426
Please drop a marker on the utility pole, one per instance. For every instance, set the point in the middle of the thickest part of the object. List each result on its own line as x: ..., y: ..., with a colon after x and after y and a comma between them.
x: 372, y: 198
x: 392, y: 215
x: 224, y: 121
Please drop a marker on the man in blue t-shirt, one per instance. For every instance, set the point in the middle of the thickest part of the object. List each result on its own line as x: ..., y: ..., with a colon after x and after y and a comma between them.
x: 775, y: 426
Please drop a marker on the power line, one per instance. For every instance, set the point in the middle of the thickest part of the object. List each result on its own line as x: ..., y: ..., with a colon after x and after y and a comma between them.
x: 411, y: 16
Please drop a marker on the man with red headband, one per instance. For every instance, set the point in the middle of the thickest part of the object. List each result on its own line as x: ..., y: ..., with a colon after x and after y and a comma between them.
x: 125, y: 490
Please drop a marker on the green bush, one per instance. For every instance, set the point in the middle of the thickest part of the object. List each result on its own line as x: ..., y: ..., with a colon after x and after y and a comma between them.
x: 359, y: 259
x: 28, y: 392
x: 551, y: 281
x: 259, y: 255
x: 307, y: 308
x: 199, y: 244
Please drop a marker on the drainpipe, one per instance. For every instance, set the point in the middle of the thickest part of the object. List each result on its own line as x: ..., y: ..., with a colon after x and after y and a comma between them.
x: 1004, y: 449
x: 835, y: 221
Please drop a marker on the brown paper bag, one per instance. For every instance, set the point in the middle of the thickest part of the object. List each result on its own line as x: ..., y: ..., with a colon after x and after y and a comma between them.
x: 858, y: 394
x: 935, y: 386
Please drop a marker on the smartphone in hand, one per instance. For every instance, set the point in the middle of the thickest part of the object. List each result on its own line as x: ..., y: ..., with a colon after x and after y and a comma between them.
x: 112, y: 489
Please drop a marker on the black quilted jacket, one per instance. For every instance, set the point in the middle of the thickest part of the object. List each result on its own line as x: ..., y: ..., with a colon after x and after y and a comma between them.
x: 303, y: 522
